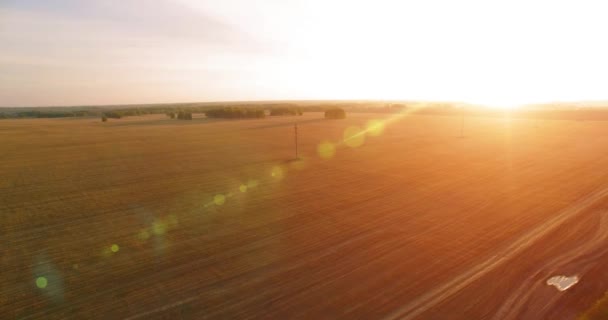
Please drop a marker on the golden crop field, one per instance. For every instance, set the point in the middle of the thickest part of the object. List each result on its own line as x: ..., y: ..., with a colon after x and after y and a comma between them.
x: 148, y: 217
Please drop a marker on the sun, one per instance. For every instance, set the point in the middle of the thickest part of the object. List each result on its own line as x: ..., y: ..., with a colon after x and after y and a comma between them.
x: 500, y: 104
x: 504, y: 106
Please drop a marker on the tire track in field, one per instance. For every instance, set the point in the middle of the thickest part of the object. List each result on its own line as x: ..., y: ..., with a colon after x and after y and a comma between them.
x: 585, y: 254
x: 448, y: 289
x: 163, y: 308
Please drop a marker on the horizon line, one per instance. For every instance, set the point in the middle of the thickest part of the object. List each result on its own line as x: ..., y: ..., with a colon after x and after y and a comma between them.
x: 144, y: 104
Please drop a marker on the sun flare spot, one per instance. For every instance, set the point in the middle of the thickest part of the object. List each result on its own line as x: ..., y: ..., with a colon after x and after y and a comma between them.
x: 159, y: 228
x: 114, y: 248
x: 243, y: 188
x: 219, y: 199
x: 277, y: 172
x: 41, y: 282
x: 502, y: 104
x: 354, y: 136
x: 375, y: 127
x: 326, y: 150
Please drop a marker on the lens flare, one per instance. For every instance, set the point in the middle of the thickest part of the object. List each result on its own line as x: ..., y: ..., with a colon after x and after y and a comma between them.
x: 219, y: 199
x: 159, y: 228
x: 277, y: 172
x: 41, y: 282
x: 326, y: 150
x: 374, y: 127
x: 354, y: 136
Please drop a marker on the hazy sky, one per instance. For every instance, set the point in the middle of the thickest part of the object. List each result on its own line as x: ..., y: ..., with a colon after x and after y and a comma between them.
x: 73, y: 52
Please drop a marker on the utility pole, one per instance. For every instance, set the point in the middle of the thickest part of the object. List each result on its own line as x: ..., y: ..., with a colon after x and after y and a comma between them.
x: 295, y: 127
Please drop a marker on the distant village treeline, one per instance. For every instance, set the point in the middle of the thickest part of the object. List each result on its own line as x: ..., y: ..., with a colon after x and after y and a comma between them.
x: 261, y: 110
x: 177, y: 112
x: 183, y: 112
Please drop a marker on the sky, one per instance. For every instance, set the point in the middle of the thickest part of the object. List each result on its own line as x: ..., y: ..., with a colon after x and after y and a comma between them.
x: 89, y: 52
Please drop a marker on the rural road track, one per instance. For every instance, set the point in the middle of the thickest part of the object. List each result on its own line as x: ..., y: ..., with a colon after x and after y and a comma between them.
x: 581, y: 258
x: 439, y: 294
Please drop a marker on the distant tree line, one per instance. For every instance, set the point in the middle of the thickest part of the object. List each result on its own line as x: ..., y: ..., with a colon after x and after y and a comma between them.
x: 232, y: 110
x: 259, y: 110
x: 336, y: 113
x: 286, y: 111
x: 235, y: 113
x: 184, y: 115
x: 44, y: 114
x: 113, y: 114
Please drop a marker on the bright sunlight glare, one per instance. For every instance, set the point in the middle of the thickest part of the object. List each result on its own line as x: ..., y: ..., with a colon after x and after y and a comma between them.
x: 500, y: 54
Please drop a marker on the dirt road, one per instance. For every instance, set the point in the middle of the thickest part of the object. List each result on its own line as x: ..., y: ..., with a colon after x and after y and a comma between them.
x: 513, y: 304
